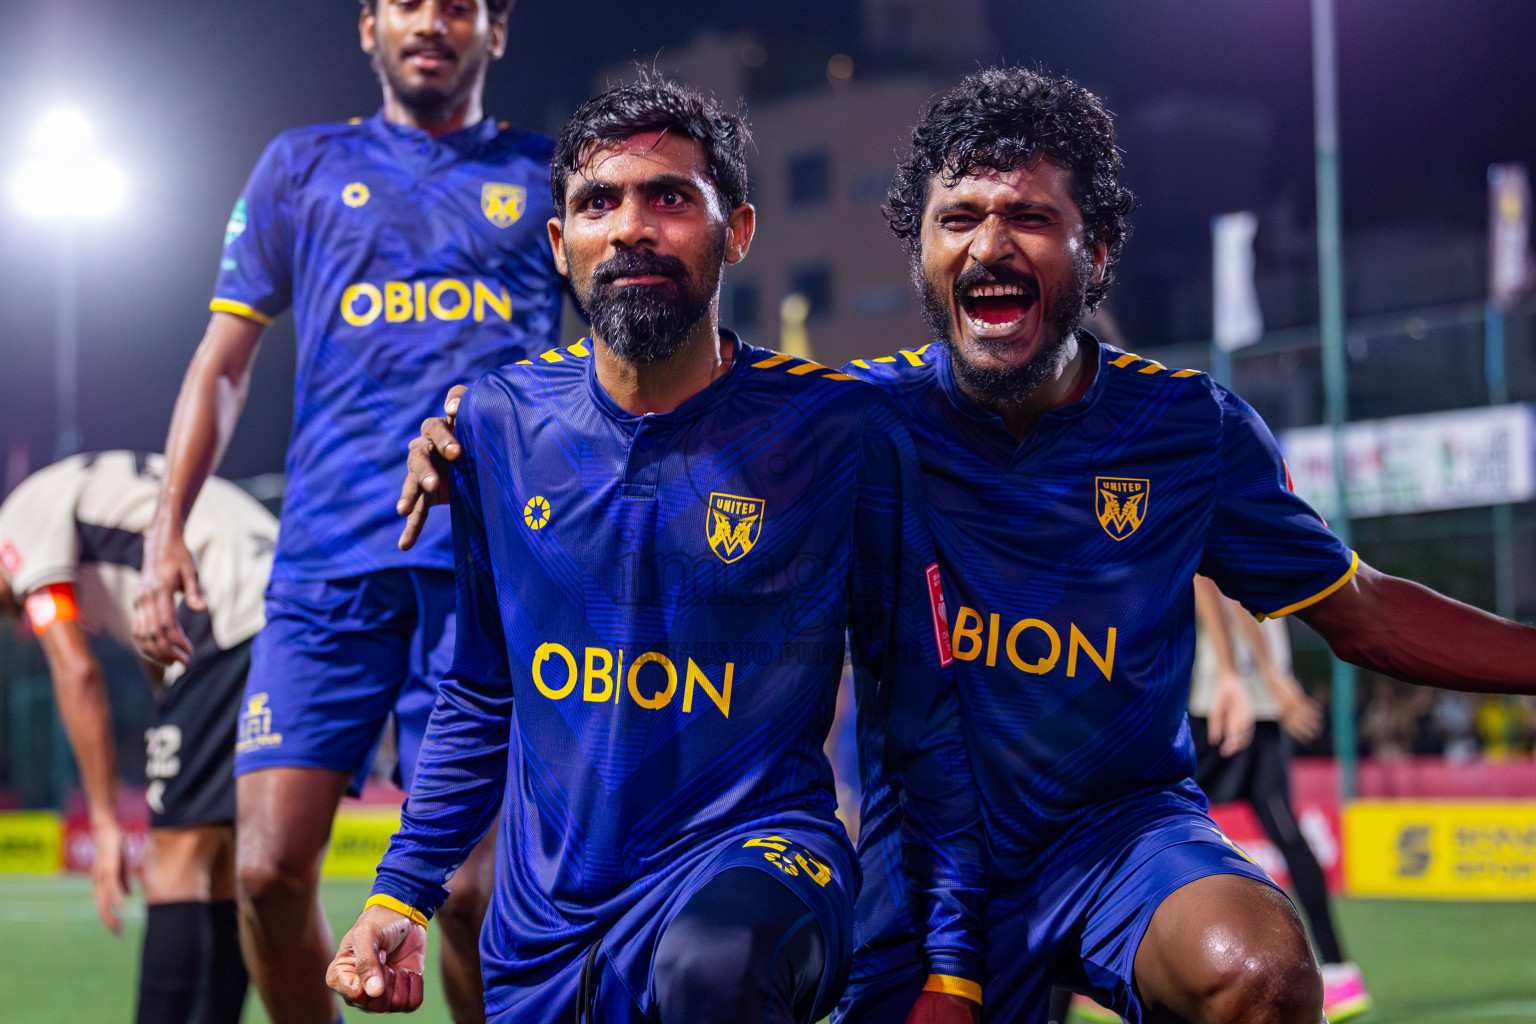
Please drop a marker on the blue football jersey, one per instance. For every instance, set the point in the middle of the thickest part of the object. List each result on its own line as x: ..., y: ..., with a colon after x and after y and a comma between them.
x: 1067, y: 563
x: 412, y: 264
x: 652, y: 618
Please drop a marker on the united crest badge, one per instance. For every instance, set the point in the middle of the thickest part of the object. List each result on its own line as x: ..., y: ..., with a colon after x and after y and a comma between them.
x: 733, y: 525
x: 503, y: 204
x: 1121, y: 504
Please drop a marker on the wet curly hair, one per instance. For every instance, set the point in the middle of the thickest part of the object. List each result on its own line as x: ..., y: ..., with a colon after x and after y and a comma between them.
x: 1000, y: 119
x: 649, y: 104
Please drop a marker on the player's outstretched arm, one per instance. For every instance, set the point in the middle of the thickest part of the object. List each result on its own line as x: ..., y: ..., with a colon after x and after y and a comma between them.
x: 212, y: 396
x: 427, y: 480
x: 378, y: 966
x: 1409, y: 631
x: 81, y: 694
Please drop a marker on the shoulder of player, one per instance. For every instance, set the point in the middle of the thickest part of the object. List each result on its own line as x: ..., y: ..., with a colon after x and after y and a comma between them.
x: 1129, y: 370
x: 895, y: 370
x: 557, y: 364
x: 524, y: 143
x: 765, y: 366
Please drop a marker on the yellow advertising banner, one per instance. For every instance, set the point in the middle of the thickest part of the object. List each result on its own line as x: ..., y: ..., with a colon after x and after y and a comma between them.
x: 31, y: 841
x: 1452, y: 849
x: 358, y: 841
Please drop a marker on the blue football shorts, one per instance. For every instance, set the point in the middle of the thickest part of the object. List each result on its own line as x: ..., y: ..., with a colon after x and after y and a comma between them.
x: 817, y: 869
x: 1075, y: 919
x: 334, y: 659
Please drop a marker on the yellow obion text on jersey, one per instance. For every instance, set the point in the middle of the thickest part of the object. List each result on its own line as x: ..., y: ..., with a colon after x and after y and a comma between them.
x: 651, y: 679
x: 446, y: 299
x: 976, y: 636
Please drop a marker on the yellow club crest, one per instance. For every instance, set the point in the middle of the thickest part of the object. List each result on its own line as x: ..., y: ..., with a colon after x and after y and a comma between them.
x: 503, y: 204
x: 733, y: 525
x: 1121, y: 504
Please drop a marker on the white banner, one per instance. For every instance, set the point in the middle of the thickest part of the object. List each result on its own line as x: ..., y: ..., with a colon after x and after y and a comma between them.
x: 1421, y: 463
x: 1236, y: 319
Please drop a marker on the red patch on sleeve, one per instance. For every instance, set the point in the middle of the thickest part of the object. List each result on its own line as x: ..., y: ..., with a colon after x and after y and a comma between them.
x: 940, y: 615
x: 10, y: 558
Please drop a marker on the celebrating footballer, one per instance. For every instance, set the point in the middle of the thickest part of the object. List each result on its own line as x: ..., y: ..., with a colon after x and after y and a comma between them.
x: 1074, y: 490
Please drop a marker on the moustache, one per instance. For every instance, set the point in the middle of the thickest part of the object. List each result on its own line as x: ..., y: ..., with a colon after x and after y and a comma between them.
x: 977, y: 274
x: 439, y: 50
x: 638, y: 263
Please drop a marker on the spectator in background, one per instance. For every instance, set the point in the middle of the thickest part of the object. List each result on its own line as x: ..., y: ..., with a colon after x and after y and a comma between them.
x: 1234, y: 650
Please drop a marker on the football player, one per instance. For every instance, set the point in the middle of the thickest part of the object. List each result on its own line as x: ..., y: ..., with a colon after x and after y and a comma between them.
x: 663, y: 536
x: 411, y: 248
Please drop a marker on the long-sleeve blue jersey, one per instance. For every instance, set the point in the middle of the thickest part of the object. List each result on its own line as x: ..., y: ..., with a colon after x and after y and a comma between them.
x: 412, y: 263
x: 1068, y: 559
x: 652, y: 619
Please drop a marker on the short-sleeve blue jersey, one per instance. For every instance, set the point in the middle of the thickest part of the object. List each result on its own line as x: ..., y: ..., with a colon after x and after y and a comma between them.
x: 411, y: 264
x: 652, y: 617
x: 1067, y: 563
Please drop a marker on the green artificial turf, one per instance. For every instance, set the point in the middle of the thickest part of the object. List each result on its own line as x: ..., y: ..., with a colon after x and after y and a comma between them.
x: 1425, y: 963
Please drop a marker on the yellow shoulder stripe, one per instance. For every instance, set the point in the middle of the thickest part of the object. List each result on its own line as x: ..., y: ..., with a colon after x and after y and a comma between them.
x: 838, y: 376
x: 239, y: 309
x: 777, y: 359
x: 1186, y: 373
x: 524, y: 362
x: 1153, y: 366
x: 804, y: 368
x: 1125, y: 360
x: 579, y: 349
x: 1354, y: 566
x: 862, y: 363
x: 552, y: 356
x: 389, y: 902
x: 950, y: 985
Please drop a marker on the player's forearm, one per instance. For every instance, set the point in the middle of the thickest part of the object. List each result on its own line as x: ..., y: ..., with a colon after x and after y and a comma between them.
x: 207, y: 409
x: 1408, y: 631
x: 455, y: 795
x: 86, y: 712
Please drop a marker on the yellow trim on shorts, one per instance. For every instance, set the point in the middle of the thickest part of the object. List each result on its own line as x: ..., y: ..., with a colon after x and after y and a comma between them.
x: 1354, y: 566
x: 239, y: 309
x: 953, y: 986
x: 381, y: 900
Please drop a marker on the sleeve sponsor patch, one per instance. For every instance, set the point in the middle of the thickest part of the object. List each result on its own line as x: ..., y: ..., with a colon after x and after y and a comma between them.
x: 940, y: 615
x: 51, y: 604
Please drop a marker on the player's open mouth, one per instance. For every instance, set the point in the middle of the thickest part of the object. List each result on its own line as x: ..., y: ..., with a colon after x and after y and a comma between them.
x: 993, y: 310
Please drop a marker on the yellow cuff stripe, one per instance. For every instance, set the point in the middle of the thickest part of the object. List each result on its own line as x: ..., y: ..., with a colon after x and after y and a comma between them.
x: 952, y: 986
x: 239, y: 309
x: 1354, y: 565
x: 381, y: 900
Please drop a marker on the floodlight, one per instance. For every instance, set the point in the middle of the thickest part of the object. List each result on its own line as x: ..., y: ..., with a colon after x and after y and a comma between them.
x: 64, y: 178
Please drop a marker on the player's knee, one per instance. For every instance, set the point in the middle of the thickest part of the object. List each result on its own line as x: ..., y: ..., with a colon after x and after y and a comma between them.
x: 459, y: 918
x: 1264, y: 978
x: 267, y: 874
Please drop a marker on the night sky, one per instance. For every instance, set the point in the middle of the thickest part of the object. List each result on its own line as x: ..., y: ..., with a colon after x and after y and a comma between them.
x: 187, y: 93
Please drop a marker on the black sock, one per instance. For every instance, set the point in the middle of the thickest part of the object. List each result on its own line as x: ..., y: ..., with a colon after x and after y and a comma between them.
x: 224, y: 977
x: 169, y: 964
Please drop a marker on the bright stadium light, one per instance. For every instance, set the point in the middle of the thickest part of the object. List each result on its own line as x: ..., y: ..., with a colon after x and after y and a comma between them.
x: 64, y: 178
x: 66, y: 181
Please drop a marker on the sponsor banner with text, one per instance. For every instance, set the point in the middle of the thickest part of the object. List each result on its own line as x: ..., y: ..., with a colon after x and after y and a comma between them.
x: 1454, y: 850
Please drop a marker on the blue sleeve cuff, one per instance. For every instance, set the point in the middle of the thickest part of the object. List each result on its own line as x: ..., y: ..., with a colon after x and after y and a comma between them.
x: 413, y: 892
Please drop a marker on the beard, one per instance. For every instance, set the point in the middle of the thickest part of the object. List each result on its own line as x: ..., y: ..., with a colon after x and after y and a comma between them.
x: 427, y: 102
x: 648, y: 323
x: 1014, y: 385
